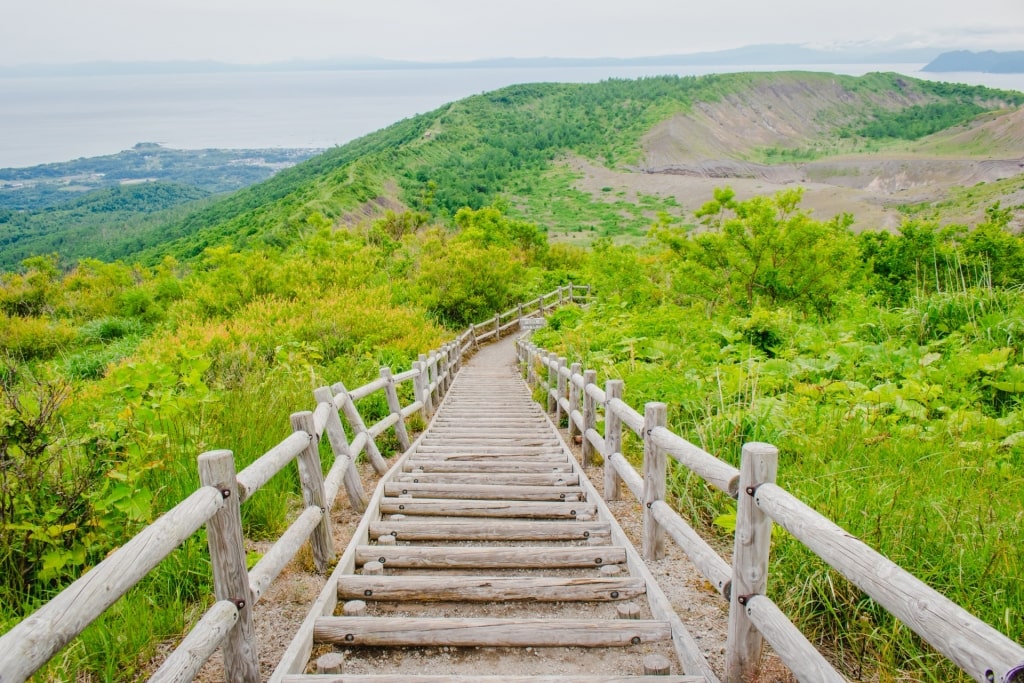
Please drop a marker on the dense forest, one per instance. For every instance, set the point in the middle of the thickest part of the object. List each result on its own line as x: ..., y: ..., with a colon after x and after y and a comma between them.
x: 887, y: 366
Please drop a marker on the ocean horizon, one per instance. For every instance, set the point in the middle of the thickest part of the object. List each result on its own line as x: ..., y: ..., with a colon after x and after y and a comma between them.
x: 55, y: 119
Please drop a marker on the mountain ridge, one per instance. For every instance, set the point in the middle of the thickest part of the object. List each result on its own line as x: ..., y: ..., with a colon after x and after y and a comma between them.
x: 764, y: 54
x: 989, y: 61
x: 592, y: 160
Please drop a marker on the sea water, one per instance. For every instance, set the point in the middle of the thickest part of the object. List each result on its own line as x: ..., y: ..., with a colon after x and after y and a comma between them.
x: 50, y: 119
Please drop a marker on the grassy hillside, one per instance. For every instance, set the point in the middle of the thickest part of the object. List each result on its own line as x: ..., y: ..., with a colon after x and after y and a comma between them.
x: 514, y: 143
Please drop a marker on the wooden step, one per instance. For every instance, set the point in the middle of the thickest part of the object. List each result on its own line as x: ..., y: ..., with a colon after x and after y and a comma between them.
x: 488, y: 589
x: 445, y: 439
x: 404, y: 678
x: 492, y: 478
x: 522, y: 557
x: 482, y: 491
x: 495, y: 450
x: 484, y: 632
x: 462, y: 456
x: 483, y: 530
x: 525, y: 509
x: 493, y: 465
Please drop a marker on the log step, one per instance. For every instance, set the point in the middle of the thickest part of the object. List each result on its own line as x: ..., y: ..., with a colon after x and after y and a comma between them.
x: 404, y: 678
x: 526, y: 509
x: 489, y: 450
x: 501, y: 465
x: 479, y: 530
x: 482, y: 491
x: 523, y: 557
x: 493, y: 478
x: 464, y: 456
x: 488, y: 589
x: 482, y: 632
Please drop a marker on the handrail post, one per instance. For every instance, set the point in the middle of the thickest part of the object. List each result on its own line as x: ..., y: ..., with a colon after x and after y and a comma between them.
x: 562, y: 393
x: 531, y: 373
x: 759, y: 465
x: 574, y: 398
x: 395, y: 406
x: 435, y: 394
x: 230, y: 576
x: 472, y: 334
x: 520, y: 312
x: 339, y: 446
x: 655, y: 465
x: 421, y: 387
x: 552, y: 381
x: 571, y: 300
x: 612, y: 439
x: 560, y: 295
x: 540, y: 304
x: 447, y: 366
x: 311, y: 476
x: 355, y: 420
x: 589, y: 416
x: 497, y: 325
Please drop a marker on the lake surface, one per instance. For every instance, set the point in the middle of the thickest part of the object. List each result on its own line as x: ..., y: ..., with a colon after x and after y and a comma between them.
x: 53, y: 119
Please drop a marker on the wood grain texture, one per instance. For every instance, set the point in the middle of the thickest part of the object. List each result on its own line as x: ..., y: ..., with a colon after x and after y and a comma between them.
x: 488, y: 589
x: 522, y: 557
x: 482, y: 530
x: 483, y: 491
x: 483, y: 632
x: 524, y: 509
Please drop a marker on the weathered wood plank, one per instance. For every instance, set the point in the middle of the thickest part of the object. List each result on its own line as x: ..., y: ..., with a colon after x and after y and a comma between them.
x: 482, y: 632
x: 523, y: 557
x: 479, y: 530
x: 483, y: 491
x: 487, y: 457
x: 570, y: 678
x: 526, y: 509
x: 492, y: 465
x: 493, y: 449
x: 493, y: 478
x: 486, y: 589
x: 406, y: 678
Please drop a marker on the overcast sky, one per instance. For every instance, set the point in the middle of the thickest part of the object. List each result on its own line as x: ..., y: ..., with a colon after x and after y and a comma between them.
x: 255, y: 31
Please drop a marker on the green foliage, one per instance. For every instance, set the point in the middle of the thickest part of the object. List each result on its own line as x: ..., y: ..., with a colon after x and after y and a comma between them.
x: 901, y: 422
x: 918, y: 121
x: 924, y: 257
x: 767, y: 249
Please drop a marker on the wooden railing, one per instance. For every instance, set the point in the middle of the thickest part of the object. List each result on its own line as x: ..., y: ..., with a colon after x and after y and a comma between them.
x: 981, y: 651
x: 217, y: 504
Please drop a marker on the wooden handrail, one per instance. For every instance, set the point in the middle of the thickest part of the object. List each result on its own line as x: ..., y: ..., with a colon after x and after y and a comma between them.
x: 978, y: 649
x: 31, y: 643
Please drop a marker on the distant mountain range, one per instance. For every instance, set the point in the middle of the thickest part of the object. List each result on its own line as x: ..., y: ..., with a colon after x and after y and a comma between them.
x: 986, y: 62
x: 754, y: 55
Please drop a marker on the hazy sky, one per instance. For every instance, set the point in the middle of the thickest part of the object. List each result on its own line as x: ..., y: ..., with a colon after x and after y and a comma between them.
x: 253, y: 31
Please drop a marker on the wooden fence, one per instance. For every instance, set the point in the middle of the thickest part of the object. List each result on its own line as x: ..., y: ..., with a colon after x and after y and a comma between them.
x: 217, y: 504
x: 981, y: 651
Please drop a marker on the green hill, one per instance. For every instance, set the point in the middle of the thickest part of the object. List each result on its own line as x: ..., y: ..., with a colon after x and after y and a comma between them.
x: 519, y: 143
x: 587, y: 160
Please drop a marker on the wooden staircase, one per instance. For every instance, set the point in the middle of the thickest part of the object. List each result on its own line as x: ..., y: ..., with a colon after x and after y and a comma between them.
x: 487, y: 555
